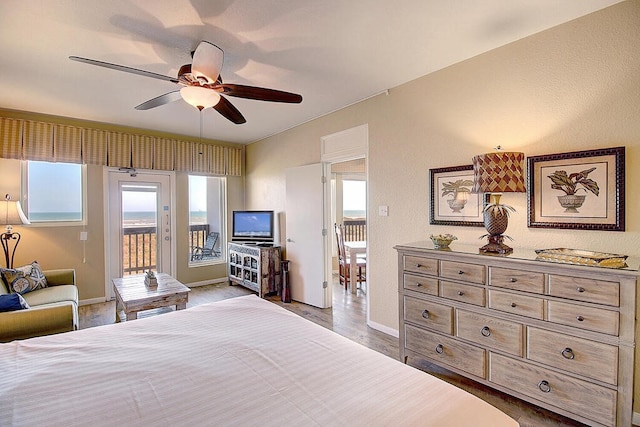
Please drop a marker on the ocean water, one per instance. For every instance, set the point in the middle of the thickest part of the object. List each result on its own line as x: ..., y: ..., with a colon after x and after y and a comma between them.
x: 55, y: 216
x: 129, y: 218
x: 354, y: 213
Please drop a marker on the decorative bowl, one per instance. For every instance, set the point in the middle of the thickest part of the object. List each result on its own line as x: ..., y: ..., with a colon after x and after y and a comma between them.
x: 442, y: 240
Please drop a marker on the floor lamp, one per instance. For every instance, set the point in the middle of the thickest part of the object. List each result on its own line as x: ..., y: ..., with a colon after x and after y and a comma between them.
x: 10, y: 214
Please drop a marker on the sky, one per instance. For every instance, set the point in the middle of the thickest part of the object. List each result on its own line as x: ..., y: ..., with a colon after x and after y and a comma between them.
x: 61, y: 194
x: 354, y: 195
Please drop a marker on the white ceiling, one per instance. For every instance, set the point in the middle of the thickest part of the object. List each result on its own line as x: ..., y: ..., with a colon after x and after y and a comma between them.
x: 332, y: 52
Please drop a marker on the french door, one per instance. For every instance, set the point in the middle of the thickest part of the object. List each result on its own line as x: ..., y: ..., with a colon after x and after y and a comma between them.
x: 139, y: 224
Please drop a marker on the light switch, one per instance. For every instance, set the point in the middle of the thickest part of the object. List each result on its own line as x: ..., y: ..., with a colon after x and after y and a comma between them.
x: 83, y: 235
x: 383, y: 210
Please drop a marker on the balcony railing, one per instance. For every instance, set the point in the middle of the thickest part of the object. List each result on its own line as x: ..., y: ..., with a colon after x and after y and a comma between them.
x: 139, y: 249
x: 140, y: 246
x: 354, y: 229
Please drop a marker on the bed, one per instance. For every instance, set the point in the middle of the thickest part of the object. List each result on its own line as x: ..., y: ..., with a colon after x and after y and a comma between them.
x: 242, y: 361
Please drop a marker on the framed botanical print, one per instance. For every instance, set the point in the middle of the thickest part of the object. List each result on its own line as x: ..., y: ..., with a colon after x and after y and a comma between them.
x: 578, y: 190
x: 452, y: 202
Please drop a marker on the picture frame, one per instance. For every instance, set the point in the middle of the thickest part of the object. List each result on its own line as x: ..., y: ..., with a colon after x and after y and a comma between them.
x: 582, y: 190
x: 452, y: 202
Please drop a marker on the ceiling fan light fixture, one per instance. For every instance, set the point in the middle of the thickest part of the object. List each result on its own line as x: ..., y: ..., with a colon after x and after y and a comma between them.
x: 200, y: 97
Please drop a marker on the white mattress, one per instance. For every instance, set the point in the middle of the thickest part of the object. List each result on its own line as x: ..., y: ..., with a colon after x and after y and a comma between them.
x: 243, y: 361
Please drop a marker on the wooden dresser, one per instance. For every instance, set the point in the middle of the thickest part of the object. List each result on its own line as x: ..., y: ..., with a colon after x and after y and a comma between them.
x: 557, y: 335
x: 255, y: 267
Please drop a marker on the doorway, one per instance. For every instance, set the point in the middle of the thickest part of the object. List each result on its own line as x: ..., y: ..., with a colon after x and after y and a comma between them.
x: 349, y: 209
x: 139, y: 224
x: 338, y: 149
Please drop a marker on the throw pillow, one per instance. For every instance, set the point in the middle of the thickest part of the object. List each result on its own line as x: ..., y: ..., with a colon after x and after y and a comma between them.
x: 12, y: 302
x: 24, y: 279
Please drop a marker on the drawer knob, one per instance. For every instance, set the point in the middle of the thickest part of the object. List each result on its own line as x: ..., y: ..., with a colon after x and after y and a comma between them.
x: 513, y: 280
x: 567, y: 353
x: 544, y: 386
x: 514, y: 305
x: 485, y: 331
x: 439, y: 349
x: 418, y: 265
x: 460, y: 293
x: 460, y: 272
x: 419, y: 284
x: 580, y: 289
x: 580, y: 319
x: 425, y: 313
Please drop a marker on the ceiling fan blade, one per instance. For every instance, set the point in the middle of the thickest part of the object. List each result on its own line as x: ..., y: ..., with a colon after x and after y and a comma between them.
x: 260, y: 93
x: 124, y: 68
x: 160, y: 100
x: 207, y: 61
x: 227, y: 109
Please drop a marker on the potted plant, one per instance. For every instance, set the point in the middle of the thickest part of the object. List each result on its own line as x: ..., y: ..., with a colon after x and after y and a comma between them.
x: 150, y: 279
x: 460, y: 190
x: 571, y: 184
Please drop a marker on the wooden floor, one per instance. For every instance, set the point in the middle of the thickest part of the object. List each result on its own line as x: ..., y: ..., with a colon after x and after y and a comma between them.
x: 347, y: 318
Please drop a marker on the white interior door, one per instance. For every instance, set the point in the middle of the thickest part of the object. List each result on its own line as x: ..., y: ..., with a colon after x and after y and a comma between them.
x: 139, y: 224
x: 306, y: 237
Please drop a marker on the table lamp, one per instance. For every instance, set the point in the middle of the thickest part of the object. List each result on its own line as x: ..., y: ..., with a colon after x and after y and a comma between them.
x: 498, y: 173
x: 10, y: 214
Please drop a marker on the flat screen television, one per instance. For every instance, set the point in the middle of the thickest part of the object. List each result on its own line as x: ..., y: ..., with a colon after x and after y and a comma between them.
x: 252, y: 226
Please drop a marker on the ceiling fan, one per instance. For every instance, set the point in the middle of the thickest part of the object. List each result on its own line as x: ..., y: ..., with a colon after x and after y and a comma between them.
x: 202, y: 84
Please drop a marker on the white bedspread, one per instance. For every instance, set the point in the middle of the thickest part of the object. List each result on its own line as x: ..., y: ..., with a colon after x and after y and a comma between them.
x: 243, y: 361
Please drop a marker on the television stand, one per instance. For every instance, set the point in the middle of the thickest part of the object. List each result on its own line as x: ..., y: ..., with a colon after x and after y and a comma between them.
x: 254, y: 266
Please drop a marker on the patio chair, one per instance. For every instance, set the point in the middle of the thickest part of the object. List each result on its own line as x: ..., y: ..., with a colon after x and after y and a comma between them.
x: 208, y: 250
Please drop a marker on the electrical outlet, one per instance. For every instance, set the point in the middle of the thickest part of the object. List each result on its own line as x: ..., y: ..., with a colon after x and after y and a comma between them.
x: 383, y: 210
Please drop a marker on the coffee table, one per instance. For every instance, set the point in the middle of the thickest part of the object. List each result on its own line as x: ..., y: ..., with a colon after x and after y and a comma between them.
x: 132, y: 295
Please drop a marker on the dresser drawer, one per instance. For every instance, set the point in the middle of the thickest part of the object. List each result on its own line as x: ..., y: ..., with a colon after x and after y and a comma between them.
x: 473, y: 273
x: 446, y: 350
x: 583, y: 289
x: 427, y: 285
x: 517, y: 304
x: 584, y: 357
x: 430, y: 314
x: 520, y: 280
x: 562, y: 391
x: 490, y: 331
x: 421, y: 265
x: 590, y: 318
x: 464, y: 293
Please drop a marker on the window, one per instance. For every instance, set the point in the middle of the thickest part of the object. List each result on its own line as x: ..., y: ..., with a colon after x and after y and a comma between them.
x: 54, y: 192
x: 354, y: 199
x: 207, y: 238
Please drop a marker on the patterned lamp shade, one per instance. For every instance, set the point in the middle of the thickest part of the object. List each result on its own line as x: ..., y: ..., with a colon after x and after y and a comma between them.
x: 499, y: 172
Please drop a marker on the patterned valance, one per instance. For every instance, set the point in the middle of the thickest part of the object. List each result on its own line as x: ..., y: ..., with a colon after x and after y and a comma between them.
x: 34, y: 140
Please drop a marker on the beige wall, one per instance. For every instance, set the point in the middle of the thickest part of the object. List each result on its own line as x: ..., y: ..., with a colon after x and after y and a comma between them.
x: 573, y: 87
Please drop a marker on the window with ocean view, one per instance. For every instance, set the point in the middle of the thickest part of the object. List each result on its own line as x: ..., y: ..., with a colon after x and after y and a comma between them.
x: 53, y: 192
x: 354, y: 199
x: 207, y: 195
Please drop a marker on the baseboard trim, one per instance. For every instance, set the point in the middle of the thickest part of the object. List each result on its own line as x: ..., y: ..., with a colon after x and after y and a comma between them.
x: 385, y: 329
x: 206, y: 282
x: 92, y: 301
x: 636, y: 419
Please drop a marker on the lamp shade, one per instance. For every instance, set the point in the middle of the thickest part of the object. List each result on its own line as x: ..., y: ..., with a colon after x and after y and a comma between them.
x: 200, y: 97
x: 499, y: 172
x: 11, y: 213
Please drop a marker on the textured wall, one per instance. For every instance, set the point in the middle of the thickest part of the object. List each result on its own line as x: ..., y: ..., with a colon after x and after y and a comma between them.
x: 572, y: 87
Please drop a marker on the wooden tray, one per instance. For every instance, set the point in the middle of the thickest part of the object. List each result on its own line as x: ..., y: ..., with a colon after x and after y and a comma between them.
x: 582, y: 257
